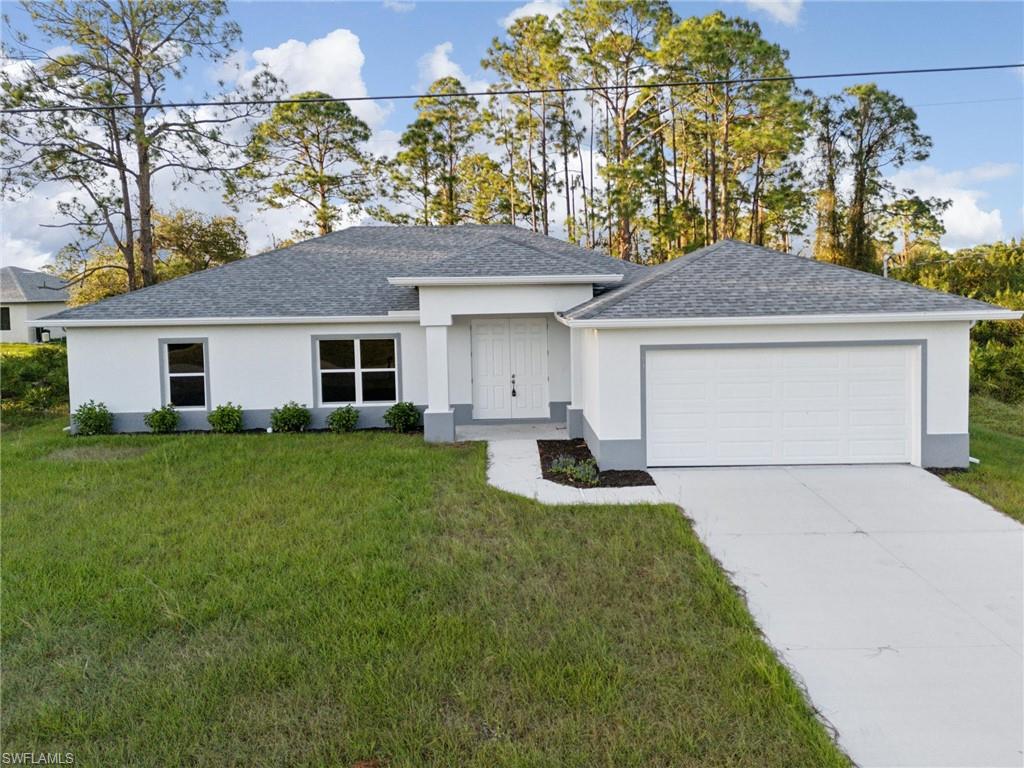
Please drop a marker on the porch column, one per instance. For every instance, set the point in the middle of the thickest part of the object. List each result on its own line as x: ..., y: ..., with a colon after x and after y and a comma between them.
x: 574, y: 413
x: 438, y: 419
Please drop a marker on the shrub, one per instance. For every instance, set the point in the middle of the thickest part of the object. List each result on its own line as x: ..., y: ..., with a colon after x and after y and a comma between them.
x: 583, y: 472
x: 290, y: 417
x: 93, y: 418
x: 402, y: 417
x: 162, y: 420
x: 35, y: 377
x: 225, y: 418
x: 343, y: 419
x: 997, y: 370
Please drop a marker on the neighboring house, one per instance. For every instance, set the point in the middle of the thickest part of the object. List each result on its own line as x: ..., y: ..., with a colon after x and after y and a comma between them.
x: 26, y: 296
x: 733, y: 354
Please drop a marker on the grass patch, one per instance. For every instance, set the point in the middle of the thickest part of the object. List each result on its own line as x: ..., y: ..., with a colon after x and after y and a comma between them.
x: 97, y: 453
x: 997, y: 440
x: 321, y: 599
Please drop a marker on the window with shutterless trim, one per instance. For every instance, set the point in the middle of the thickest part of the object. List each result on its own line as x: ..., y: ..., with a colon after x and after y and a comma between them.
x: 5, y: 318
x: 357, y: 370
x: 185, y: 367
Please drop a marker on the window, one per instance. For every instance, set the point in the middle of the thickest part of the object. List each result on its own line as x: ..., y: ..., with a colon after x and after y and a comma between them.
x: 5, y: 318
x: 186, y: 374
x: 358, y: 370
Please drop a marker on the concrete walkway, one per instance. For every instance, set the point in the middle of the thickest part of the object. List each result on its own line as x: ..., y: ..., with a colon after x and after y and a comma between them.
x: 513, y: 465
x: 896, y: 598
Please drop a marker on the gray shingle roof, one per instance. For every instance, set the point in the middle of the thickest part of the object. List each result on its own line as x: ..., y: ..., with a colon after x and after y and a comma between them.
x: 20, y: 286
x: 345, y: 273
x: 734, y: 279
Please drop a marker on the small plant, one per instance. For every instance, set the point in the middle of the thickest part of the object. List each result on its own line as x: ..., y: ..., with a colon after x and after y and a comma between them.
x: 343, y: 419
x: 162, y: 420
x: 402, y: 417
x: 290, y: 417
x: 225, y: 418
x: 93, y: 418
x: 563, y: 464
x: 583, y: 472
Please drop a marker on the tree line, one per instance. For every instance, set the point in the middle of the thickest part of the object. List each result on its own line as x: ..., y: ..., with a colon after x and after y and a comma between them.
x: 644, y: 163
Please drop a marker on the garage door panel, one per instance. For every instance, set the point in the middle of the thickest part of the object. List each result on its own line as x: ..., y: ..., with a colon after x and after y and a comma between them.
x: 780, y: 405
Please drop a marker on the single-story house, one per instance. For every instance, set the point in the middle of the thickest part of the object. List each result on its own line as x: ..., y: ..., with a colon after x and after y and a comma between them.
x: 733, y: 354
x: 26, y: 296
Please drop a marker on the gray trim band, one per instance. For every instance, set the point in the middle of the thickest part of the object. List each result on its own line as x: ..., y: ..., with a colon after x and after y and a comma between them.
x: 574, y: 422
x: 952, y: 451
x: 464, y: 415
x: 439, y: 427
x: 370, y: 417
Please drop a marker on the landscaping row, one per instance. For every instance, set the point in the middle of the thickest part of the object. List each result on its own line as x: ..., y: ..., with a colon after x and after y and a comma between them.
x: 94, y: 418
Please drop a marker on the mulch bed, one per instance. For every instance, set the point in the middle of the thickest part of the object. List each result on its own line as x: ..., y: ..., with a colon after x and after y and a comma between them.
x: 610, y: 478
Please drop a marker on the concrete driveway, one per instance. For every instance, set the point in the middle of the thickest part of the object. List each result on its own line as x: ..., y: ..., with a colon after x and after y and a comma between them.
x: 894, y: 597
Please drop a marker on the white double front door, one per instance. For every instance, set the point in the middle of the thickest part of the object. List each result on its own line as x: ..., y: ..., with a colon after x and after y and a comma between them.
x: 510, y: 368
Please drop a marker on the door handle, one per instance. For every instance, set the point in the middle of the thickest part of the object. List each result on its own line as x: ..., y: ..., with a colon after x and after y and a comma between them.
x: 513, y: 385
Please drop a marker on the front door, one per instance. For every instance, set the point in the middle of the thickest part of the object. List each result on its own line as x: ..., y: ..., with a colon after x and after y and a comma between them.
x: 510, y: 368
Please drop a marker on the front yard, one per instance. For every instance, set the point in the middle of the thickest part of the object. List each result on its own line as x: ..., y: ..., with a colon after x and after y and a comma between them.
x: 364, y: 600
x: 997, y: 440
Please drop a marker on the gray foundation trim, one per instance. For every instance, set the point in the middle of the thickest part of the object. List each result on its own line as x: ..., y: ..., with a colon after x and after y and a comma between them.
x: 946, y: 451
x: 615, y: 454
x: 574, y: 422
x: 439, y: 427
x: 464, y: 415
x: 370, y: 416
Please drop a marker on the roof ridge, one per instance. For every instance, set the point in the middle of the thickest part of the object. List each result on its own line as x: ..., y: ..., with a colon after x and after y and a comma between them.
x: 875, y: 275
x: 656, y: 272
x: 573, y: 258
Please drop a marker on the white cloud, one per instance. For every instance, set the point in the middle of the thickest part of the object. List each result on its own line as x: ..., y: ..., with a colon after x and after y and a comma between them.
x: 783, y: 11
x: 967, y: 221
x: 549, y: 8
x: 437, y: 63
x: 398, y: 6
x: 332, y: 64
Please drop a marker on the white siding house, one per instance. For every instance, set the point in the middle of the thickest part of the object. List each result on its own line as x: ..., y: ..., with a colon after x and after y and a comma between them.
x: 26, y: 296
x: 734, y: 354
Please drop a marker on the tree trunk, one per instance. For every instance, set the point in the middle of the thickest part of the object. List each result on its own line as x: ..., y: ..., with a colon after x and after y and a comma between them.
x: 544, y: 159
x: 143, y: 181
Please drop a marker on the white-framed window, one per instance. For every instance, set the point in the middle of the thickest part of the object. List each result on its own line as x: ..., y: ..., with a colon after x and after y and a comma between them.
x: 185, y: 372
x: 357, y: 370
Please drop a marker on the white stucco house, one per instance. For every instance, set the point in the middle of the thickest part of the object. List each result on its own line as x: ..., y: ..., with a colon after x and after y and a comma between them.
x: 26, y: 296
x: 733, y: 354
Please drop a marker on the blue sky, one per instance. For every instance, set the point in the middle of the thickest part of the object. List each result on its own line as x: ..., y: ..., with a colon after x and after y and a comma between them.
x: 398, y: 46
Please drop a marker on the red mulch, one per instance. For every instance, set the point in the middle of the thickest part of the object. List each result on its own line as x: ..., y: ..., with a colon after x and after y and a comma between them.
x: 610, y: 478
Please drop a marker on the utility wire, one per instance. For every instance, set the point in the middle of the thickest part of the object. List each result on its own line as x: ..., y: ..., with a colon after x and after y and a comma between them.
x: 504, y: 92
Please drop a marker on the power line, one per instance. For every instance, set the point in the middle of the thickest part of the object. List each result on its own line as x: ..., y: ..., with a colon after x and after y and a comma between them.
x: 505, y: 92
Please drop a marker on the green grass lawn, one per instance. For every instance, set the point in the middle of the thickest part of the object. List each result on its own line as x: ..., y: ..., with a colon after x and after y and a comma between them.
x: 997, y: 440
x: 364, y: 600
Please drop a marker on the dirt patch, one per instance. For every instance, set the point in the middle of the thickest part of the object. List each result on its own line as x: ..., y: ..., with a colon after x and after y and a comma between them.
x: 550, y: 450
x: 98, y: 453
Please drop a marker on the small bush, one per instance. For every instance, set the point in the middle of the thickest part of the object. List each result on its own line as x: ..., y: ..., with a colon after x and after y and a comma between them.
x: 93, y: 418
x: 35, y: 377
x: 290, y: 417
x: 162, y: 420
x: 997, y: 370
x: 563, y: 464
x: 402, y: 417
x: 583, y: 472
x: 225, y: 418
x: 343, y: 419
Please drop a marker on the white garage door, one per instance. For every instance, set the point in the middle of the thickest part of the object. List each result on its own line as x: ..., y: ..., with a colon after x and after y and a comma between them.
x: 781, y: 405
